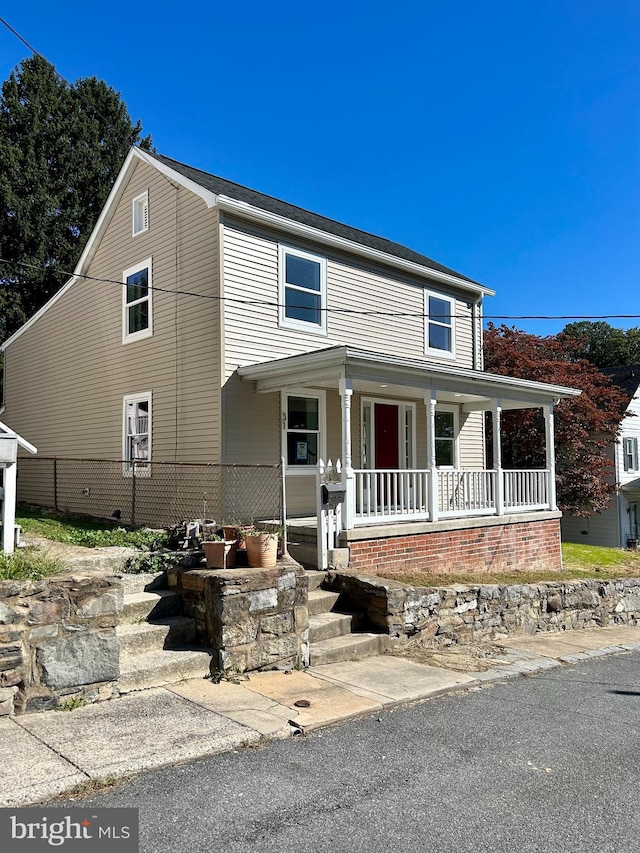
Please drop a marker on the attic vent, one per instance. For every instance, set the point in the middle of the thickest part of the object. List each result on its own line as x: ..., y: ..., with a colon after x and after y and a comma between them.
x: 141, y: 213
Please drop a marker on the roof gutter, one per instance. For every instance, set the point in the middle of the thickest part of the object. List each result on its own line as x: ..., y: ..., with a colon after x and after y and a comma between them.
x: 299, y: 229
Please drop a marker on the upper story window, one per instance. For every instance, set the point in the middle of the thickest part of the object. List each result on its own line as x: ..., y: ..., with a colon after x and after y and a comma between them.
x: 440, y: 325
x: 302, y: 290
x: 136, y: 434
x: 630, y: 453
x: 137, y: 319
x: 141, y: 213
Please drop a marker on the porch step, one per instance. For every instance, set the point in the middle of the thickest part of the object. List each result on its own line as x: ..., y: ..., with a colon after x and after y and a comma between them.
x: 321, y: 601
x: 161, y: 634
x: 157, y: 668
x: 140, y: 606
x: 324, y: 626
x: 144, y: 582
x: 316, y: 579
x: 351, y: 647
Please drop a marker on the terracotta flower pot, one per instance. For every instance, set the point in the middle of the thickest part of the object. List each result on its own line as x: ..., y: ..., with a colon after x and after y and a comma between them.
x: 232, y: 532
x: 262, y: 550
x: 220, y: 555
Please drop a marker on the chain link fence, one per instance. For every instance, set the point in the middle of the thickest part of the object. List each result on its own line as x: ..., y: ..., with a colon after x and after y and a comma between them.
x: 156, y: 494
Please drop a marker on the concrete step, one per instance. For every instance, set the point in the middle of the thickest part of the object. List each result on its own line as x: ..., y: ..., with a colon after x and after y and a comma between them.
x: 316, y: 579
x: 306, y: 553
x: 140, y: 606
x: 155, y: 669
x: 144, y: 582
x: 322, y: 601
x: 351, y: 647
x: 324, y: 626
x: 167, y: 633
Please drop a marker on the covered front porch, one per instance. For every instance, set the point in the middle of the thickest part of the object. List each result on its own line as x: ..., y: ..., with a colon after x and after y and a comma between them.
x: 412, y: 448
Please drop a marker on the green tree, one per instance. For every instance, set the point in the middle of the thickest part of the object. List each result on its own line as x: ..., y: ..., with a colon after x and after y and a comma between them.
x: 585, y: 426
x: 603, y: 344
x: 61, y: 147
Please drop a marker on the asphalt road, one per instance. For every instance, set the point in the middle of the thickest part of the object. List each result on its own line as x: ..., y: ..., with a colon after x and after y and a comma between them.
x: 542, y: 763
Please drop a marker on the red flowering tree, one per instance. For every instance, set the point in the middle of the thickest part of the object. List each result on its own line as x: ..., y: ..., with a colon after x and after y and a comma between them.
x: 585, y: 426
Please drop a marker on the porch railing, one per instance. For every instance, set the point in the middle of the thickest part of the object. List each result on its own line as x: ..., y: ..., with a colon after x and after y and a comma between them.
x: 526, y: 490
x: 463, y: 493
x: 391, y: 495
x: 387, y: 495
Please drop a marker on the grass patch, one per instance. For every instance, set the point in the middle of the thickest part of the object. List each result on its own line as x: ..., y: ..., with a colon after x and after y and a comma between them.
x: 580, y: 562
x: 28, y: 564
x: 83, y: 530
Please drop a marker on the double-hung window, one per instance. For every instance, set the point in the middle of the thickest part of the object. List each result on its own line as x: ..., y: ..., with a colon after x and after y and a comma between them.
x: 137, y: 318
x: 136, y: 434
x: 303, y: 416
x: 445, y: 439
x: 141, y: 213
x: 630, y: 452
x: 440, y: 325
x: 302, y: 290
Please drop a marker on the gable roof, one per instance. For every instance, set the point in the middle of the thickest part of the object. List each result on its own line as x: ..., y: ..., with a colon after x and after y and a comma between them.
x: 221, y: 186
x: 626, y: 377
x: 246, y: 202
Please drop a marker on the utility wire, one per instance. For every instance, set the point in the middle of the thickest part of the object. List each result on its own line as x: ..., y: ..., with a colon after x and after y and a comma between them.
x: 350, y: 311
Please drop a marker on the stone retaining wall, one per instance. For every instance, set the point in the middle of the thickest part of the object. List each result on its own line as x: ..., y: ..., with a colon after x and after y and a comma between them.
x: 253, y: 618
x: 469, y: 613
x: 58, y: 641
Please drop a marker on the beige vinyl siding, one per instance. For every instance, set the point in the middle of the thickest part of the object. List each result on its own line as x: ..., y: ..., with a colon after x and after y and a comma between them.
x: 250, y: 262
x: 471, y: 444
x: 600, y: 529
x: 67, y: 374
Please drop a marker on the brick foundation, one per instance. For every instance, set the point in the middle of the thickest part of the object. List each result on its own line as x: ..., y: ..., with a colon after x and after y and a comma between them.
x: 495, y: 547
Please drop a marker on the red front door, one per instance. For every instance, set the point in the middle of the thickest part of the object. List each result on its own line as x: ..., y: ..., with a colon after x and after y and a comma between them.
x: 386, y: 434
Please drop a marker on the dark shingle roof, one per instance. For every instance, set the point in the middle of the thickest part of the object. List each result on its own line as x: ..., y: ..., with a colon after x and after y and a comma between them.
x: 626, y: 377
x: 220, y: 186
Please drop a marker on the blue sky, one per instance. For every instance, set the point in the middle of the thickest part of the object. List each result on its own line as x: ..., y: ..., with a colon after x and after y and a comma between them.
x: 500, y: 138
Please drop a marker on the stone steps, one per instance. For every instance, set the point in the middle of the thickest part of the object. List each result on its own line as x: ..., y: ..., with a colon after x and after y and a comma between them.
x: 164, y: 633
x: 157, y: 668
x: 334, y: 636
x: 141, y: 606
x: 156, y: 642
x: 346, y: 648
x: 321, y: 601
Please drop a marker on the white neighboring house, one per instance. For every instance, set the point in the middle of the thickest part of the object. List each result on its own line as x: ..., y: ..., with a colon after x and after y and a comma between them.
x: 9, y: 441
x: 619, y: 525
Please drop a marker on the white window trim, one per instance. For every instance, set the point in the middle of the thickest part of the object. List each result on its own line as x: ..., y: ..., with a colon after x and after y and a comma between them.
x: 403, y: 407
x: 321, y: 396
x: 127, y: 468
x: 456, y: 436
x: 301, y: 325
x: 440, y: 353
x: 144, y: 198
x: 632, y: 443
x: 143, y: 333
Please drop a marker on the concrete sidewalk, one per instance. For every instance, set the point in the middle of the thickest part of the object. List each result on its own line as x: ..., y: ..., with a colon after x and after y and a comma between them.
x: 42, y: 755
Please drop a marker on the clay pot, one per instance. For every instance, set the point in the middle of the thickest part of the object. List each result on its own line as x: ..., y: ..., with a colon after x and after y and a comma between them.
x: 220, y: 555
x: 262, y: 550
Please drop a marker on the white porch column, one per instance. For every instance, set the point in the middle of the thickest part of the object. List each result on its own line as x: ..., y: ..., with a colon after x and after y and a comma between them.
x: 9, y: 508
x: 346, y: 393
x: 430, y: 403
x: 551, y: 453
x: 496, y: 412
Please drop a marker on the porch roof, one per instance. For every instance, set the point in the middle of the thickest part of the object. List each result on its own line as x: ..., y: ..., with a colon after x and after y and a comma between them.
x: 392, y: 375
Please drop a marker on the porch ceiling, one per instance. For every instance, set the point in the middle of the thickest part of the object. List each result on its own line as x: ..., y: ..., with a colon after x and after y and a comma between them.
x: 389, y: 375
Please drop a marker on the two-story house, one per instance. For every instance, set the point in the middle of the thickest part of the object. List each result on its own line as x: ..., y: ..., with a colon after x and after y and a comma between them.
x: 207, y: 322
x: 619, y: 525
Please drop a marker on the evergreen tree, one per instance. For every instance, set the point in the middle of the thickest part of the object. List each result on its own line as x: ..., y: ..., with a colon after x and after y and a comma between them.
x: 61, y: 147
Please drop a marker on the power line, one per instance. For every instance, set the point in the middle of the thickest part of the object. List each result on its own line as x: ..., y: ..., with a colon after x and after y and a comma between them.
x: 350, y: 311
x: 33, y: 50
